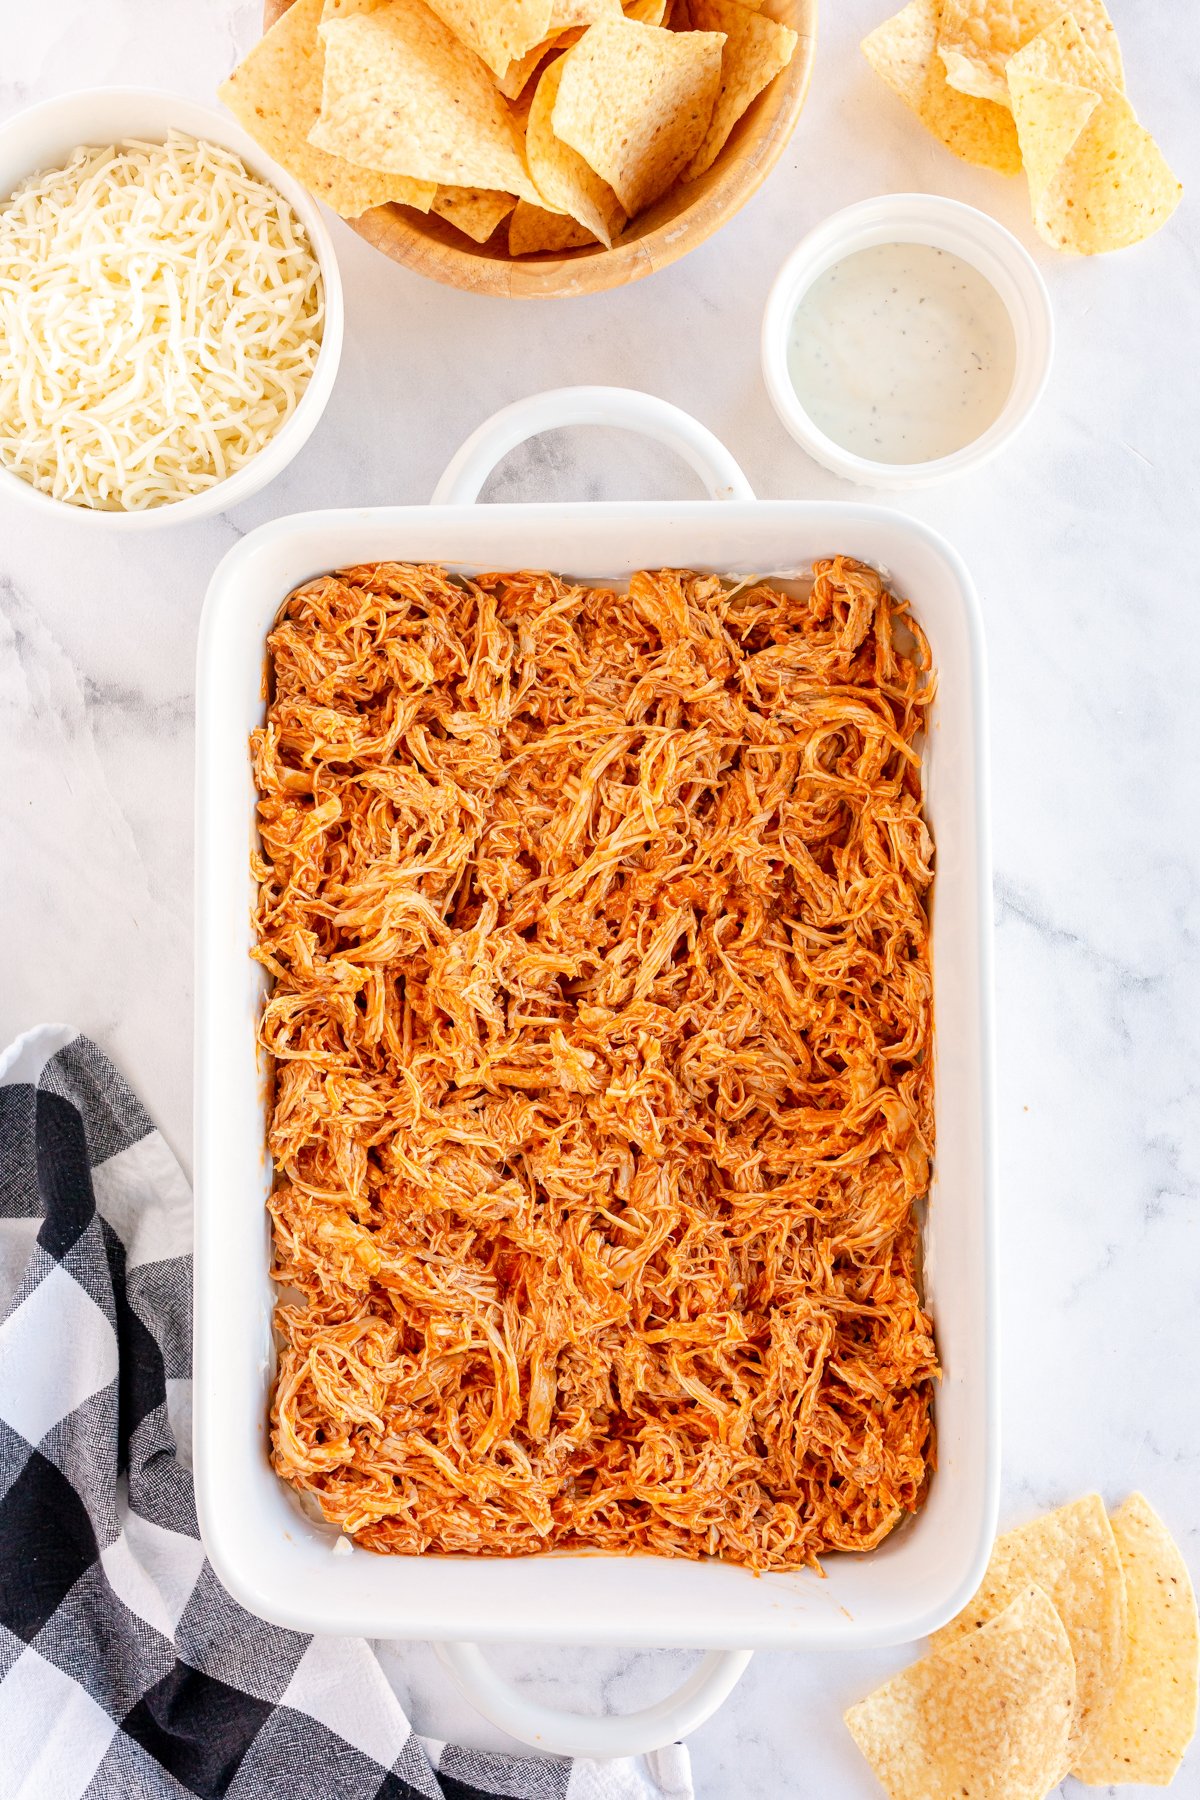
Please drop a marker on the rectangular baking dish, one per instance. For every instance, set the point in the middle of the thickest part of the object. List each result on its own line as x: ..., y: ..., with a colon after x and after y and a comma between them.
x: 273, y: 1558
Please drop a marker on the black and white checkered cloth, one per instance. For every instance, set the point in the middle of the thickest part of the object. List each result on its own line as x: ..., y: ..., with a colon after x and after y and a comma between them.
x: 125, y: 1668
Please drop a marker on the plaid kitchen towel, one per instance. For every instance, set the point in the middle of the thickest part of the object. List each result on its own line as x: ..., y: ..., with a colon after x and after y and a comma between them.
x: 125, y: 1669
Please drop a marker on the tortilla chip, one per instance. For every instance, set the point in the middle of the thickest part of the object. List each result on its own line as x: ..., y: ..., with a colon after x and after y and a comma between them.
x: 566, y: 14
x: 977, y: 37
x: 1061, y: 53
x: 499, y: 31
x: 567, y: 183
x: 1050, y: 118
x: 1072, y: 1556
x: 519, y: 74
x: 475, y: 211
x: 402, y: 93
x: 989, y: 1717
x: 756, y: 49
x: 275, y: 95
x: 533, y: 228
x: 1152, y: 1717
x: 635, y: 101
x: 903, y: 52
x: 647, y: 12
x: 1097, y: 180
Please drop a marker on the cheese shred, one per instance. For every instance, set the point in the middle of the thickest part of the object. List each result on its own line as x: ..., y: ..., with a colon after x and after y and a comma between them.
x: 161, y: 313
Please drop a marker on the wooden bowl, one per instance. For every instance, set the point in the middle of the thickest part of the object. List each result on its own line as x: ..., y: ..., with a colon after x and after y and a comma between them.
x: 677, y: 223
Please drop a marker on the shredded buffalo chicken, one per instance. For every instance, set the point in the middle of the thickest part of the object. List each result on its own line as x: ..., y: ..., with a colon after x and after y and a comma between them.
x: 601, y: 1031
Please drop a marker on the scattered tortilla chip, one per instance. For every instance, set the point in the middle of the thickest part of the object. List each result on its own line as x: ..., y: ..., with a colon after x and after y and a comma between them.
x: 477, y: 211
x: 977, y: 37
x: 1097, y: 180
x: 565, y: 181
x: 756, y: 49
x: 402, y: 93
x: 500, y: 31
x: 635, y: 101
x: 1152, y: 1717
x: 903, y: 51
x: 1052, y: 116
x: 532, y: 228
x: 1061, y: 53
x: 275, y: 95
x: 989, y: 1717
x: 1072, y: 1556
x: 647, y: 12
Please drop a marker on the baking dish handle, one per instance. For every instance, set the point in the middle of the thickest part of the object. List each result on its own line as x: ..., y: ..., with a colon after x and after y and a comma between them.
x: 578, y: 1734
x: 626, y: 408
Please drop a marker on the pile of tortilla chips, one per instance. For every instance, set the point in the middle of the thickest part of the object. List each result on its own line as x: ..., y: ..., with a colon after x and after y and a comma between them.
x: 1079, y: 1654
x: 1027, y: 83
x: 558, y: 120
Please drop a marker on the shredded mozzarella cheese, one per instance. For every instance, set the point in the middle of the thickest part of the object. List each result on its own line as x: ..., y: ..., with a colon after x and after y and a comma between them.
x: 161, y: 313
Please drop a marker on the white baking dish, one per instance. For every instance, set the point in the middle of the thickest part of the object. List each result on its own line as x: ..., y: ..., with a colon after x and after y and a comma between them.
x: 269, y: 1554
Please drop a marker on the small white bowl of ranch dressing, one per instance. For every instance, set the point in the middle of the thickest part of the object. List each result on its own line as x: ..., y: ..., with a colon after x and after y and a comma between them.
x: 906, y: 339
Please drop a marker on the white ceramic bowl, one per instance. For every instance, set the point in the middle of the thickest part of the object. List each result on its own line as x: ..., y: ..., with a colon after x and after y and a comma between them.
x: 41, y: 139
x: 946, y: 225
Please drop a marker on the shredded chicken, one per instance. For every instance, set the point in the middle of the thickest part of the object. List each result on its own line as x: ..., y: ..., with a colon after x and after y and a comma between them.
x: 601, y: 1031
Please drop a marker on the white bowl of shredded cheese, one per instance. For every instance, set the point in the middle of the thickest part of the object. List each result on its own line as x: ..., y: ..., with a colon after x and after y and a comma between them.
x: 170, y: 310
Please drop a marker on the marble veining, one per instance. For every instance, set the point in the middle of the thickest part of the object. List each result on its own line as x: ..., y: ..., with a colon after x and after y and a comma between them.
x: 1084, y: 539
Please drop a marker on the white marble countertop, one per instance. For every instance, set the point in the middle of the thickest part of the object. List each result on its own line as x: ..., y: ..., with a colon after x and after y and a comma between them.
x: 1085, y: 542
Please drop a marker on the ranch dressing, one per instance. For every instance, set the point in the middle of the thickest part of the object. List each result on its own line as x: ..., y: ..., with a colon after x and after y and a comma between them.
x: 902, y: 353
